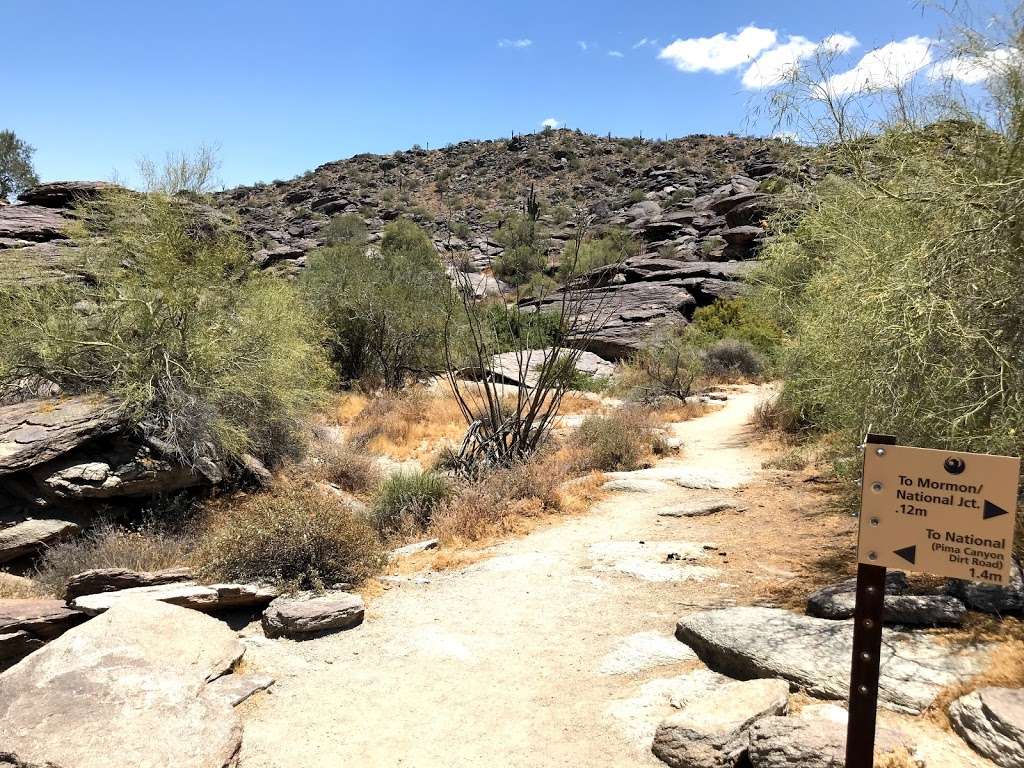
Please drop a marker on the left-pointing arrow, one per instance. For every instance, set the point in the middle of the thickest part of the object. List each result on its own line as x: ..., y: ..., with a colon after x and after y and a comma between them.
x: 908, y: 553
x: 992, y: 510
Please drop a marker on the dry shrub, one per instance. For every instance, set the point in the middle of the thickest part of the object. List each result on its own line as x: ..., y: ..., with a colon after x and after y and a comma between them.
x: 107, y: 546
x: 295, y: 536
x: 732, y: 359
x: 493, y: 505
x: 621, y: 441
x: 343, y: 466
x: 405, y: 424
x: 17, y: 587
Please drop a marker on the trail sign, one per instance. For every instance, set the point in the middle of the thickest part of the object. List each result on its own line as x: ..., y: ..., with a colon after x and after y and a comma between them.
x: 942, y: 512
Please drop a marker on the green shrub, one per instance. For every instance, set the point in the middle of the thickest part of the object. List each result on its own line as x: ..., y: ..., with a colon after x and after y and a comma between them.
x: 209, y: 356
x: 612, y: 247
x: 739, y: 319
x: 384, y: 310
x: 295, y: 536
x: 345, y: 228
x: 636, y: 196
x: 525, y: 251
x: 408, y: 497
x: 513, y: 329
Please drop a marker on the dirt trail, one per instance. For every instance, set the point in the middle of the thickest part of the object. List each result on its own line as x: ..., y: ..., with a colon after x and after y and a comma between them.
x: 556, y: 650
x: 505, y: 662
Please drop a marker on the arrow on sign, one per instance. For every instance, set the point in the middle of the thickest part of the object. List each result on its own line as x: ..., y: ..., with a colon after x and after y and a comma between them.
x: 992, y: 510
x: 908, y: 553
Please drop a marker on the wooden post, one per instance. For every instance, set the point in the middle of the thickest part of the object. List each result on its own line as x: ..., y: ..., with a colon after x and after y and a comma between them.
x: 867, y: 648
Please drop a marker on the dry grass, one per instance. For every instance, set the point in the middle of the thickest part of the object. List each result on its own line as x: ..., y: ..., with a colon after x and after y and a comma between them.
x: 107, y: 546
x: 344, y: 467
x: 413, y: 424
x: 17, y: 587
x: 623, y: 440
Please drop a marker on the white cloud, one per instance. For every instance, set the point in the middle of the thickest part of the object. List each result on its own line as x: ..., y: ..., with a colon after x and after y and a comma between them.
x: 772, y: 66
x: 972, y: 70
x: 583, y: 44
x: 616, y: 54
x: 884, y: 68
x: 643, y: 42
x: 719, y: 53
x: 551, y: 123
x: 523, y: 42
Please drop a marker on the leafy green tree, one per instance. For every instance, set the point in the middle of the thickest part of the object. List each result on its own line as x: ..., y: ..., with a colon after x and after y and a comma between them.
x: 16, y: 171
x: 384, y: 306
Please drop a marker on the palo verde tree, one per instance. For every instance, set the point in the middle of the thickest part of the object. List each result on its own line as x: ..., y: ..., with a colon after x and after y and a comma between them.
x: 16, y: 171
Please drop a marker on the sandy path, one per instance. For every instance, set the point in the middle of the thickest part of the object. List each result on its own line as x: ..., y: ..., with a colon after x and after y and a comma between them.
x: 506, y: 662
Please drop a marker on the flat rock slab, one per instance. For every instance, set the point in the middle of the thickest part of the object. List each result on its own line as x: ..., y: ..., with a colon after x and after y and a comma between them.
x: 198, y: 597
x: 413, y: 549
x: 989, y: 598
x: 712, y: 732
x: 312, y: 616
x: 44, y: 619
x: 99, y: 580
x: 32, y: 535
x: 658, y: 561
x: 237, y: 688
x: 710, y: 480
x: 128, y: 688
x: 838, y: 601
x: 623, y: 483
x: 36, y: 431
x: 644, y: 650
x: 991, y: 720
x: 698, y: 508
x: 16, y: 645
x: 811, y: 742
x: 815, y: 654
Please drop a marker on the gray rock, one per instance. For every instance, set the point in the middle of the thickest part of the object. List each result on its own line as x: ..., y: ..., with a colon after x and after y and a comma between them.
x: 815, y: 654
x: 989, y: 598
x: 31, y: 223
x: 31, y: 535
x: 128, y: 688
x: 236, y: 688
x: 43, y: 618
x: 14, y: 646
x: 36, y: 431
x: 624, y: 483
x: 113, y: 579
x: 698, y: 508
x: 206, y: 598
x: 712, y: 731
x: 991, y: 720
x: 811, y: 742
x: 516, y: 368
x: 64, y: 194
x: 839, y: 600
x: 413, y: 549
x: 309, y: 616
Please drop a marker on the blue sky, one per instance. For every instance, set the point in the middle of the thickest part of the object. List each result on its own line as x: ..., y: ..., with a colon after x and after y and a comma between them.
x: 285, y: 86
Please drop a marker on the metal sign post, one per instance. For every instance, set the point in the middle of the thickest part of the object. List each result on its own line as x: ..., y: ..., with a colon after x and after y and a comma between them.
x: 947, y: 513
x: 867, y: 649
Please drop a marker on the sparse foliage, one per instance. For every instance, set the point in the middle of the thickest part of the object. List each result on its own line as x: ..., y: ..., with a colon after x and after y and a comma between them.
x: 192, y: 173
x: 16, y: 171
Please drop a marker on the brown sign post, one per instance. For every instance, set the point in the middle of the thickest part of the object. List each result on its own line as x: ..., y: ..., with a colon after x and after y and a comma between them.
x: 941, y: 512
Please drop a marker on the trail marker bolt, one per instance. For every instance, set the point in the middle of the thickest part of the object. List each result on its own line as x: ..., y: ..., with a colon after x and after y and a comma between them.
x: 880, y: 451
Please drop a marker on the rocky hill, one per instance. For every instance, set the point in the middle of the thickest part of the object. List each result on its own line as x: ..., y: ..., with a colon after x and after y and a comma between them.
x: 697, y: 204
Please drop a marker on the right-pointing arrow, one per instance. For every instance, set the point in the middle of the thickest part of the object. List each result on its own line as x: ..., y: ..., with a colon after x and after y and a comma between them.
x: 992, y: 510
x: 908, y: 553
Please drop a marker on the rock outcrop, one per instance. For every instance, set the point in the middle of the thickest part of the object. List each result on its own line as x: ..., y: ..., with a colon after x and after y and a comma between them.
x: 814, y: 654
x: 99, y: 580
x: 128, y: 688
x: 839, y: 600
x: 199, y: 597
x: 991, y: 598
x: 991, y: 720
x: 811, y: 742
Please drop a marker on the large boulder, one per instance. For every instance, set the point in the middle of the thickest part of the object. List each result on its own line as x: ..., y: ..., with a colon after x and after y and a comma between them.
x: 815, y: 654
x: 206, y: 598
x: 26, y: 625
x: 30, y: 536
x: 811, y: 742
x: 307, y: 616
x: 711, y: 732
x: 129, y: 688
x: 99, y: 580
x: 991, y: 720
x: 25, y: 224
x: 522, y: 368
x: 64, y: 194
x: 36, y: 431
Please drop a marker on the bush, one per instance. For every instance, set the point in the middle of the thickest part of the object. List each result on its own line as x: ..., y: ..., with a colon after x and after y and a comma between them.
x: 739, y: 319
x: 345, y: 228
x: 107, y: 546
x: 408, y: 498
x: 613, y: 247
x: 666, y: 368
x: 619, y: 442
x: 348, y: 469
x: 210, y: 357
x: 732, y: 357
x: 525, y: 251
x: 385, y: 311
x: 295, y: 536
